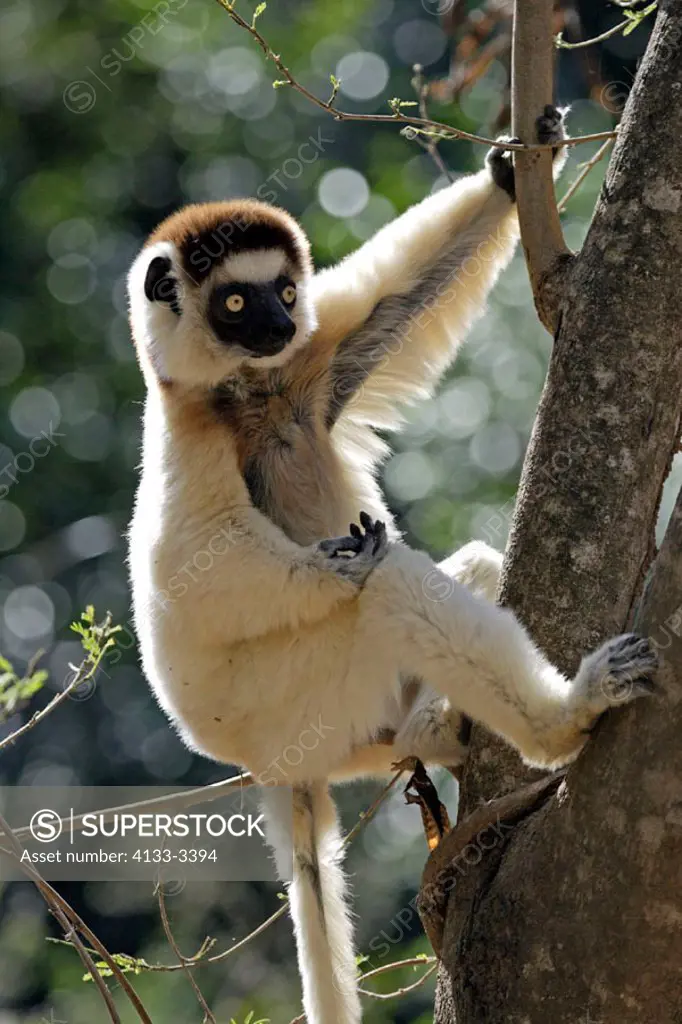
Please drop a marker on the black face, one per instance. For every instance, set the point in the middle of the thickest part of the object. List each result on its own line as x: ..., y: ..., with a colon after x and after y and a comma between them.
x: 254, y: 316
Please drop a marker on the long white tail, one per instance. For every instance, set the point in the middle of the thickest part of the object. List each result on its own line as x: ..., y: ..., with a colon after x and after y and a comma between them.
x: 322, y: 925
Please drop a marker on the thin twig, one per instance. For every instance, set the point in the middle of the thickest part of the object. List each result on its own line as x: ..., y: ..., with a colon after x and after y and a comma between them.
x: 563, y: 45
x: 398, y: 992
x: 634, y: 21
x: 362, y: 821
x: 200, y: 959
x: 219, y: 957
x: 413, y: 961
x: 373, y: 807
x: 65, y: 912
x: 584, y: 171
x: 430, y: 145
x: 424, y: 125
x: 100, y: 949
x: 16, y: 853
x: 217, y: 789
x: 81, y: 676
x: 175, y: 801
x: 208, y: 1016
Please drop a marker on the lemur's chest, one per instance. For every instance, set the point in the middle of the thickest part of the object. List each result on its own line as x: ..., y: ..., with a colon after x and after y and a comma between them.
x: 288, y: 463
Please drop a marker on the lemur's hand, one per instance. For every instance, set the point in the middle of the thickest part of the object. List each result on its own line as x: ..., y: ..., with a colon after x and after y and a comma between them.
x: 355, y: 556
x: 549, y: 128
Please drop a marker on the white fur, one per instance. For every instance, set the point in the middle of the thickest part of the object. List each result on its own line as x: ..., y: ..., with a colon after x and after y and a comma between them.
x: 471, y: 219
x: 183, y: 347
x: 255, y: 267
x: 250, y: 636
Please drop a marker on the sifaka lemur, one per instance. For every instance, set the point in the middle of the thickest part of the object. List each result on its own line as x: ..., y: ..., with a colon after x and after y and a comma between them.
x: 265, y: 384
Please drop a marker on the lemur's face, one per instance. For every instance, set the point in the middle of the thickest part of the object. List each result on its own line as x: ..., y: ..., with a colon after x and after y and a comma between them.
x: 219, y: 286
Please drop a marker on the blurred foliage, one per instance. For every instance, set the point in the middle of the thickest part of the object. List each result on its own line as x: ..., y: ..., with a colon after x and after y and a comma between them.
x: 113, y: 116
x: 16, y: 691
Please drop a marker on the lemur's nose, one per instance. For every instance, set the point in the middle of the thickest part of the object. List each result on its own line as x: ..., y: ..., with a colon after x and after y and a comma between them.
x: 282, y: 330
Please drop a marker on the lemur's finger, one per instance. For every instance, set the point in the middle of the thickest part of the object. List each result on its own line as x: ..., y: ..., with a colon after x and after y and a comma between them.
x: 380, y: 537
x: 366, y: 522
x: 367, y: 546
x: 355, y: 531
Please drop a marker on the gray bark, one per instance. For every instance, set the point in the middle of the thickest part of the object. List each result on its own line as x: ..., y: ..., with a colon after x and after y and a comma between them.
x: 577, y: 915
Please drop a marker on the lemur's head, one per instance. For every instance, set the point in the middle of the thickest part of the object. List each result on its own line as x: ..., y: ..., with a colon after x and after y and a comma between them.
x: 220, y: 285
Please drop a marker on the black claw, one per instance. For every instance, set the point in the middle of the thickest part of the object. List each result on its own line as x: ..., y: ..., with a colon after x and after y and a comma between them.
x: 366, y: 522
x: 379, y: 536
x: 645, y: 684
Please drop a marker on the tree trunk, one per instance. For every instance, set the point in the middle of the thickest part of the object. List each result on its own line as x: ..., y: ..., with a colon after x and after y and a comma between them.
x: 576, y: 914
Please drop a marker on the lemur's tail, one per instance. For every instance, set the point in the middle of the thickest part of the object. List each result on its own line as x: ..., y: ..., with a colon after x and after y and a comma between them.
x: 324, y: 933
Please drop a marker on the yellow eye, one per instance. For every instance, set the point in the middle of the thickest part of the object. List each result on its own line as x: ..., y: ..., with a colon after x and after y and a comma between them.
x: 289, y: 294
x: 234, y: 302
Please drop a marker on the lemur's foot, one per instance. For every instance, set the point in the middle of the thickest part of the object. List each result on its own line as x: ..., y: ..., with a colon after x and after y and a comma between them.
x: 356, y: 555
x: 549, y: 126
x: 435, y: 732
x: 618, y: 672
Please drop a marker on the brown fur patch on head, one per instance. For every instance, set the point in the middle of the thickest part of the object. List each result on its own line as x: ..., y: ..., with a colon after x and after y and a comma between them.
x: 207, y: 233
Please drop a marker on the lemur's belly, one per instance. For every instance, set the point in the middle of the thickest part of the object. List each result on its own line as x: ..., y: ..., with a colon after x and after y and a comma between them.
x: 261, y: 699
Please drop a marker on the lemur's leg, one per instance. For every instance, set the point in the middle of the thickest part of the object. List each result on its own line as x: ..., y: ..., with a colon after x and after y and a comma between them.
x: 433, y: 730
x: 416, y: 618
x: 476, y: 566
x: 428, y: 726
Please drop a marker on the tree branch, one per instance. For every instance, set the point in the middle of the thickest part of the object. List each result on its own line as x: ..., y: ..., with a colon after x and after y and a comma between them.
x: 425, y: 126
x: 188, y: 799
x: 439, y: 874
x: 103, y: 637
x: 532, y: 89
x: 584, y: 171
x: 533, y: 935
x: 184, y: 961
x: 421, y: 88
x: 15, y: 851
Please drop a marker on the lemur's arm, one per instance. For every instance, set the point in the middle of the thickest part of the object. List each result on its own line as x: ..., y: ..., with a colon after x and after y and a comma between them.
x: 272, y: 583
x: 395, y: 311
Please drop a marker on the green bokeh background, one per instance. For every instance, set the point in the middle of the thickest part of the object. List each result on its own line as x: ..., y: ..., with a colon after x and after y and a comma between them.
x: 112, y: 116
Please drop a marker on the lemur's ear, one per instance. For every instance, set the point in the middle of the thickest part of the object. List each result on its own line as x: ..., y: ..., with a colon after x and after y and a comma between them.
x: 160, y: 285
